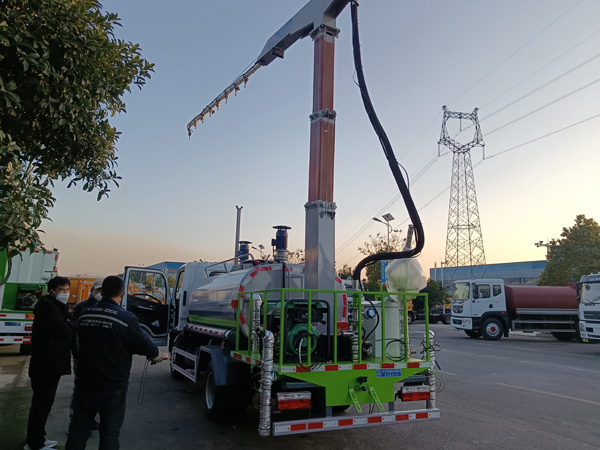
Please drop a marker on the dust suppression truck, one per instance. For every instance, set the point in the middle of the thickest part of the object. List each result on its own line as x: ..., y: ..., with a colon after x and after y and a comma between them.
x: 24, y: 279
x: 253, y: 328
x: 491, y: 309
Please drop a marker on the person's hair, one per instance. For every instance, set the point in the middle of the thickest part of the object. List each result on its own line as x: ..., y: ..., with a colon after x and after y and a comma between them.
x: 58, y: 281
x: 112, y: 286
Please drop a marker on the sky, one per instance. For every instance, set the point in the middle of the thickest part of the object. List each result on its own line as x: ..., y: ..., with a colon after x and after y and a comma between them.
x: 530, y: 66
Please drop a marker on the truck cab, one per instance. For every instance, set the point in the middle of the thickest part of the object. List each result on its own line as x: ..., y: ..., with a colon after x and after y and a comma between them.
x: 479, y: 308
x: 589, y: 307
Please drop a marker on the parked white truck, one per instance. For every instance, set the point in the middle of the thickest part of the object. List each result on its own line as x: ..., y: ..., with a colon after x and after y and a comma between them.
x: 589, y: 307
x: 489, y: 308
x: 24, y: 280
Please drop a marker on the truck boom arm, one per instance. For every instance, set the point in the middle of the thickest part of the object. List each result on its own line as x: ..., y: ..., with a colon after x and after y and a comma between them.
x: 314, y: 14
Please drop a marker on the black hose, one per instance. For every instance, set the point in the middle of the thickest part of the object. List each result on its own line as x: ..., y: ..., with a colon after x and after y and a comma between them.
x: 389, y: 154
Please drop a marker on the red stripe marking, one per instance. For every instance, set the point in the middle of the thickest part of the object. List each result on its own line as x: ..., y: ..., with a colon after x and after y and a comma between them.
x: 331, y: 367
x: 298, y: 427
x: 2, y: 315
x: 387, y: 365
x: 236, y: 356
x: 1, y: 339
x: 422, y: 415
x: 302, y: 369
x: 338, y: 279
x: 413, y: 365
x: 234, y: 304
x: 254, y: 272
x: 401, y: 417
x: 346, y: 422
x: 242, y: 288
x: 360, y: 366
x: 315, y: 425
x: 374, y: 420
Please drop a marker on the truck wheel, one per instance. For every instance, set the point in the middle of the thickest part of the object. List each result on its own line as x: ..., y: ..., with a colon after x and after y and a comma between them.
x: 565, y: 337
x: 492, y: 330
x: 410, y: 319
x: 447, y: 319
x: 223, y: 402
x: 473, y: 334
x: 25, y: 349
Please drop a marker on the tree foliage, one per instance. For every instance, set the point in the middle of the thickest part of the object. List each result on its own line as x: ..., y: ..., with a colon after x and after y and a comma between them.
x: 438, y: 295
x: 345, y: 272
x: 378, y: 244
x: 63, y: 74
x: 575, y: 254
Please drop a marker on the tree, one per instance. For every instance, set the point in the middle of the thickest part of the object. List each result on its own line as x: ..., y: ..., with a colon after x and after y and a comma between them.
x: 345, y: 272
x: 577, y: 253
x: 378, y: 244
x: 63, y: 73
x: 296, y: 256
x: 438, y: 295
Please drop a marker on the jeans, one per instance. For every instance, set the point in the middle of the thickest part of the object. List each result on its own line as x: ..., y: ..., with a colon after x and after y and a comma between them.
x: 44, y: 390
x: 111, y: 406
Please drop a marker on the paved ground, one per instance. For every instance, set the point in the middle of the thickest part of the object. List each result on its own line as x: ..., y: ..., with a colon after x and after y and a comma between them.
x: 525, y: 392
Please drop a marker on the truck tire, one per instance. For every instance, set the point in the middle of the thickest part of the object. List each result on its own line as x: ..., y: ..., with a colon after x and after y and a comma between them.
x: 223, y: 402
x: 473, y: 334
x: 411, y: 319
x: 25, y: 349
x: 565, y: 337
x: 446, y: 319
x: 492, y: 329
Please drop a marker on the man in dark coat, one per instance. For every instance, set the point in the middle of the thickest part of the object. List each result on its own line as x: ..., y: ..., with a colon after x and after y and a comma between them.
x: 108, y: 337
x: 50, y: 358
x: 79, y: 308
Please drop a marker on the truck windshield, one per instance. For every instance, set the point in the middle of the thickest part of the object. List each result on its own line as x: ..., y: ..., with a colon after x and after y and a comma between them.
x: 591, y: 294
x: 460, y: 291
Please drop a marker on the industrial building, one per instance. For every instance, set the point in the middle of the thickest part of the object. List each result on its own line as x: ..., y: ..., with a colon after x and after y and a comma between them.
x: 523, y: 273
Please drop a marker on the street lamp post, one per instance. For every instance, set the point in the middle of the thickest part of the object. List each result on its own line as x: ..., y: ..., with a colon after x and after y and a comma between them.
x: 442, y: 263
x: 543, y: 244
x: 388, y: 218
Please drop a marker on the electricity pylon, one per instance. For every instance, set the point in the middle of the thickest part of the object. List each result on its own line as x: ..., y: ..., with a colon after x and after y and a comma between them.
x: 464, y: 241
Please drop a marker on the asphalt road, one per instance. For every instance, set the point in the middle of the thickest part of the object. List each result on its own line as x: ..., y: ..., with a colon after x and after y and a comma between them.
x: 524, y: 392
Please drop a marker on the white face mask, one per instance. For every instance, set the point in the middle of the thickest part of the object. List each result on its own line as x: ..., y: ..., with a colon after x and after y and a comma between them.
x: 98, y: 297
x: 63, y: 298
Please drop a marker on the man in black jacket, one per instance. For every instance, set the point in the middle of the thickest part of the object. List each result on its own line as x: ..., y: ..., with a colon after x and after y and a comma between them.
x: 108, y: 337
x: 79, y: 308
x: 50, y: 358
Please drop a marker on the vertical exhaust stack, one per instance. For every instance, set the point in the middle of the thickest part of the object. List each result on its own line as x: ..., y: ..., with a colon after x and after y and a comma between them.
x: 280, y: 252
x: 238, y: 225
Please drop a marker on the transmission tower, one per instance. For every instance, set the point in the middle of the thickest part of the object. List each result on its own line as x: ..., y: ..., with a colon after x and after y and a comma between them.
x: 464, y: 241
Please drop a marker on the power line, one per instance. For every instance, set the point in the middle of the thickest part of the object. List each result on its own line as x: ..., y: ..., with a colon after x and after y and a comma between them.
x: 545, y: 106
x: 539, y: 70
x: 516, y: 51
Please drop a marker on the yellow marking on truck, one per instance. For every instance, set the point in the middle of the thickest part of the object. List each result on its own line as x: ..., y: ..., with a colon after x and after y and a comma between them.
x: 551, y: 393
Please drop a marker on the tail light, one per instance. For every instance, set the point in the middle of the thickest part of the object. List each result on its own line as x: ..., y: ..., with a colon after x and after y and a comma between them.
x: 28, y: 326
x: 293, y: 400
x: 415, y: 393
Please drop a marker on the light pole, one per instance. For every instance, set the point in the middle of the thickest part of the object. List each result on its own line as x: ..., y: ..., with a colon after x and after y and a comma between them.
x: 388, y: 218
x: 543, y: 244
x: 442, y: 263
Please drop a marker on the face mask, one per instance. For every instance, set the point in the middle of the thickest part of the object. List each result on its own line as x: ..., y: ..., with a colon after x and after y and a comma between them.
x: 98, y: 297
x: 63, y: 298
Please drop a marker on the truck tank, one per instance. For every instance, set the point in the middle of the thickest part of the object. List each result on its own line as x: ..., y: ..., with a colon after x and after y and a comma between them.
x: 212, y: 302
x: 540, y: 297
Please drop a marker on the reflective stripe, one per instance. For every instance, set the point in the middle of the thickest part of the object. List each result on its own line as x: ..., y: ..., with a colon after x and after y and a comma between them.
x: 102, y: 316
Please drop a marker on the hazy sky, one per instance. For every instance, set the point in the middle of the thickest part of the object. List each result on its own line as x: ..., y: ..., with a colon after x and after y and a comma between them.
x: 530, y: 66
